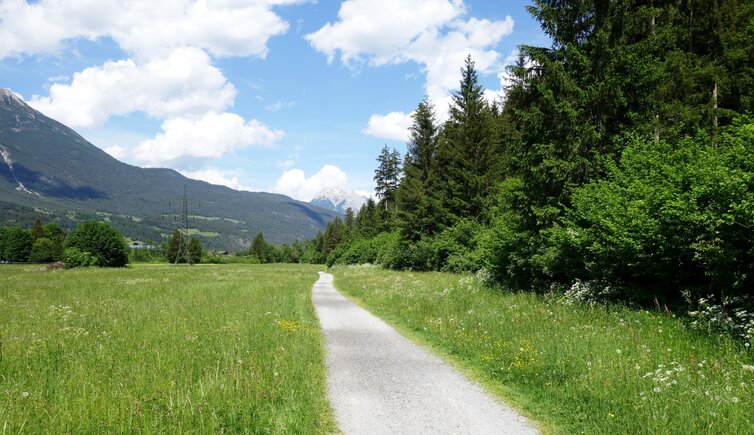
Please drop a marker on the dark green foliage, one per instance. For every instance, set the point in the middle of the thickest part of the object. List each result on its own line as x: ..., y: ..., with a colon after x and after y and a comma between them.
x: 363, y: 251
x: 468, y: 156
x: 614, y: 158
x: 105, y: 244
x: 195, y: 250
x: 667, y: 218
x: 387, y: 176
x: 44, y: 250
x: 455, y: 248
x: 174, y: 244
x: 36, y: 230
x: 417, y: 204
x: 260, y: 249
x: 16, y: 244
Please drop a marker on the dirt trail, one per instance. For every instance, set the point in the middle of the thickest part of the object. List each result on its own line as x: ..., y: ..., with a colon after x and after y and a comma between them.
x: 379, y: 382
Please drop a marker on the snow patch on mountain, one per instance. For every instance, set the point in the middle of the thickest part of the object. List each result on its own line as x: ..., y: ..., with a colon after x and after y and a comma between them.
x: 339, y: 199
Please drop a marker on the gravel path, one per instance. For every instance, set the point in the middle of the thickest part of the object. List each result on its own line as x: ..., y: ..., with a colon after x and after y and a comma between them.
x: 381, y: 383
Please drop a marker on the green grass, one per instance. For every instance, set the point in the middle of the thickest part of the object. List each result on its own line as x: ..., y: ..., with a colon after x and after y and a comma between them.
x: 161, y: 349
x: 576, y: 368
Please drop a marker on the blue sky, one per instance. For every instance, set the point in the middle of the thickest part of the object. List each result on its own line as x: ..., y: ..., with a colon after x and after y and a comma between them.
x: 289, y: 96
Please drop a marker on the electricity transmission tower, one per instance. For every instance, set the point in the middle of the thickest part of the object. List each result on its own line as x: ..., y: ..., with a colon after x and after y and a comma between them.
x: 183, y: 251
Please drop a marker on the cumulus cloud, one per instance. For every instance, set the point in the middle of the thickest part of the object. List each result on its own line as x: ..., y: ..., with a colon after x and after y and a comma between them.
x: 209, y: 136
x: 185, y: 82
x: 434, y: 34
x: 297, y: 185
x: 142, y: 28
x: 393, y: 126
x: 378, y: 30
x: 222, y: 177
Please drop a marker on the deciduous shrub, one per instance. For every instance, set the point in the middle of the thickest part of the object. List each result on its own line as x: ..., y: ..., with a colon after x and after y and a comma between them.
x: 15, y: 244
x: 105, y: 244
x: 73, y: 257
x: 43, y: 250
x: 668, y: 217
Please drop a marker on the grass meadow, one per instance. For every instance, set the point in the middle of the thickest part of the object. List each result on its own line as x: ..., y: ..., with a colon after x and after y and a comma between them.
x: 161, y: 348
x: 575, y: 368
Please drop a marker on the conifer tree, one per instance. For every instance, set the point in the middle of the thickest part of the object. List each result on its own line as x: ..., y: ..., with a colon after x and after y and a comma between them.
x: 416, y: 200
x: 467, y: 154
x: 37, y: 231
x: 387, y: 176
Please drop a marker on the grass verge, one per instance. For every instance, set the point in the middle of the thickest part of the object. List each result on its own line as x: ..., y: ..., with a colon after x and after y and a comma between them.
x: 161, y: 348
x: 576, y: 368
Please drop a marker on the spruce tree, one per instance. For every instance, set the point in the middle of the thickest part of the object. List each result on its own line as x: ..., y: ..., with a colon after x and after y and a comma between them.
x: 387, y: 176
x: 468, y: 157
x: 416, y: 199
x: 37, y: 231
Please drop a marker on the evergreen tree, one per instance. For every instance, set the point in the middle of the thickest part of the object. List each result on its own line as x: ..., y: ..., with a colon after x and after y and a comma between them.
x: 366, y: 224
x: 171, y: 252
x: 387, y: 176
x: 37, y: 231
x: 259, y: 248
x: 195, y: 250
x: 416, y: 199
x: 467, y: 154
x: 348, y: 220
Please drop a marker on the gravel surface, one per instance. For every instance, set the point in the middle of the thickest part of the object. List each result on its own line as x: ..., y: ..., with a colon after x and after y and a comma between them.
x: 381, y: 383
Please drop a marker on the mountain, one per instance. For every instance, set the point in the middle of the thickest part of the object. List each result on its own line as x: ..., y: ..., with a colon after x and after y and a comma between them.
x: 339, y: 199
x: 47, y: 168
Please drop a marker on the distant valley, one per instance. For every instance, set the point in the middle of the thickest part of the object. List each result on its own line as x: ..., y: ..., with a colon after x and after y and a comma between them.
x: 49, y: 171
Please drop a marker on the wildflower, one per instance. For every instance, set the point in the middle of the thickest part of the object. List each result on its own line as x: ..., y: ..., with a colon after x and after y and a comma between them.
x: 25, y: 394
x: 611, y: 415
x: 656, y: 389
x: 618, y: 351
x: 734, y: 399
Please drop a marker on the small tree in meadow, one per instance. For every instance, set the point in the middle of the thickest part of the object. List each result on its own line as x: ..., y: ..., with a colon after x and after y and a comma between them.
x: 105, y: 244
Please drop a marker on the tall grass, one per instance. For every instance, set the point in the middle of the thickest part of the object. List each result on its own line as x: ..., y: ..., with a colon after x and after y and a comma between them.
x: 577, y: 368
x: 161, y: 348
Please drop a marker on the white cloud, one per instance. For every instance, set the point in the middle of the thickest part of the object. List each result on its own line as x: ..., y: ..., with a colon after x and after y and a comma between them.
x: 378, y: 30
x: 210, y: 136
x: 222, y: 177
x: 432, y: 33
x: 143, y: 28
x: 393, y: 126
x: 297, y: 185
x: 185, y: 82
x: 116, y: 151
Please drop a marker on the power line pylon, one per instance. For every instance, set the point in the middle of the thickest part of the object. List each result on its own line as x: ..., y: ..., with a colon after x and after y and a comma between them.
x: 183, y: 251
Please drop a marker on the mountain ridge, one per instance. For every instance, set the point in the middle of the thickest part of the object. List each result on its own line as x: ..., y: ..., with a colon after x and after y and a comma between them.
x: 49, y: 166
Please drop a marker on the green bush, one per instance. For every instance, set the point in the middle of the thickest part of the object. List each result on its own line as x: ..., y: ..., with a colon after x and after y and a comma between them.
x: 455, y: 248
x: 73, y: 257
x: 506, y: 247
x: 669, y: 217
x: 15, y: 244
x: 404, y: 255
x: 43, y: 250
x: 104, y: 243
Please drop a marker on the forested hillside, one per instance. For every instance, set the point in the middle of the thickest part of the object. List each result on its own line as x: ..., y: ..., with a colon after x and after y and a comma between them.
x: 620, y: 163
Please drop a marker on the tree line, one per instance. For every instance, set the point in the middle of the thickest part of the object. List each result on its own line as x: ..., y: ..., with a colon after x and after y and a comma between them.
x: 622, y: 155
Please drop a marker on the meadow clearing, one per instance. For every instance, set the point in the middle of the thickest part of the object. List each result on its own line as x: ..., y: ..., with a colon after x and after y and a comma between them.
x: 161, y: 348
x: 576, y: 368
